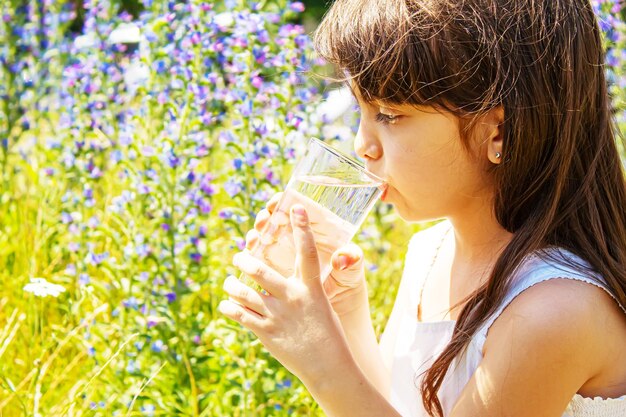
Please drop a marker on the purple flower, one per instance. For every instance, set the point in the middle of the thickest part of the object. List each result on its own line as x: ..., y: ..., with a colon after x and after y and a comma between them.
x: 70, y: 269
x: 257, y: 82
x: 251, y: 158
x: 617, y: 7
x: 261, y: 195
x: 143, y: 189
x: 246, y: 108
x: 270, y: 176
x: 233, y: 187
x: 143, y: 250
x: 225, y: 214
x: 84, y: 279
x: 131, y: 303
x: 157, y: 346
x: 297, y: 7
x: 173, y: 161
x: 301, y: 41
x: 285, y: 384
x: 66, y: 218
x: 208, y: 189
x: 205, y: 206
x: 96, y: 258
x: 264, y: 37
x: 171, y: 297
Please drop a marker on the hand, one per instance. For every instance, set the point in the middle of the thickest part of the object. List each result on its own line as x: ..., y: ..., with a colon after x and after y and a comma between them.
x: 294, y: 318
x: 345, y: 287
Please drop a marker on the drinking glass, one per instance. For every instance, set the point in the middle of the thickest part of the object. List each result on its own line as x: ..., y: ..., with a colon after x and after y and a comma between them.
x: 337, y: 193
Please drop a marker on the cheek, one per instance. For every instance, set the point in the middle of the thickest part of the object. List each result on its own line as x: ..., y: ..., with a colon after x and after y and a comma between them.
x: 421, y: 169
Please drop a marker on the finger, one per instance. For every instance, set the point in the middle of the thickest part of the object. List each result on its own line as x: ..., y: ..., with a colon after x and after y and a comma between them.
x: 241, y: 315
x: 252, y: 238
x: 271, y: 205
x: 270, y: 280
x: 246, y: 296
x: 307, y: 259
x: 348, y: 257
x: 261, y: 220
x: 348, y: 269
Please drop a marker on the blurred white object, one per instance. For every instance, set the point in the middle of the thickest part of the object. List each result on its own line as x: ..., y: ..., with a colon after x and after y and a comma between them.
x: 42, y: 288
x: 338, y: 102
x: 86, y: 41
x: 342, y: 133
x: 224, y: 20
x: 125, y: 33
x: 136, y: 75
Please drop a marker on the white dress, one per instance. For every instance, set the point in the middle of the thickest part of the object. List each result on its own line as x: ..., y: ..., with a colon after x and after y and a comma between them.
x: 415, y: 345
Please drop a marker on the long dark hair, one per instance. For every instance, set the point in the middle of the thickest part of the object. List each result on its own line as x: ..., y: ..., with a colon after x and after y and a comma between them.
x: 561, y: 182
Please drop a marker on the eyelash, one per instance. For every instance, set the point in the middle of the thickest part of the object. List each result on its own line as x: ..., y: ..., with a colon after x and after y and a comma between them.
x: 386, y: 119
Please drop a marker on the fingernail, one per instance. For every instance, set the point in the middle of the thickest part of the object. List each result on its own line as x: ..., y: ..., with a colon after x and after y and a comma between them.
x: 299, y: 210
x: 343, y: 262
x: 299, y: 215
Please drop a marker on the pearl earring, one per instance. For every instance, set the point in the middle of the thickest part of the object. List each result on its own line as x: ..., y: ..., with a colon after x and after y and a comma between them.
x: 498, y: 155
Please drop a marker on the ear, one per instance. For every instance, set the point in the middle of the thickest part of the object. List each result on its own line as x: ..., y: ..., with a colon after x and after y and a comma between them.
x: 493, y: 122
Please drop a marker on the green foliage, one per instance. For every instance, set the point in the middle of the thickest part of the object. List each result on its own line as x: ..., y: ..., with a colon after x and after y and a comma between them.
x: 135, y: 155
x: 148, y: 149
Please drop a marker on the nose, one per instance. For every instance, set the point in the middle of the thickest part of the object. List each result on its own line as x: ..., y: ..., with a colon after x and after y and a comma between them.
x: 366, y: 145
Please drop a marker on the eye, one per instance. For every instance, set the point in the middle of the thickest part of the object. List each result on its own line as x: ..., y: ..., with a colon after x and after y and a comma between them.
x: 387, y: 119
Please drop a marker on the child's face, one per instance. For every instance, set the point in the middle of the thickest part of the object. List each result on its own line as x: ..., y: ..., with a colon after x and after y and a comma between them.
x: 419, y: 153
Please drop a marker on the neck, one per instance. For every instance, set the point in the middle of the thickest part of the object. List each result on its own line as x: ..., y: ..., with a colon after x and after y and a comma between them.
x: 478, y: 237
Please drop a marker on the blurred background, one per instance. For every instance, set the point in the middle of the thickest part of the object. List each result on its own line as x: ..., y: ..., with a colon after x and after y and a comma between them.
x: 138, y: 140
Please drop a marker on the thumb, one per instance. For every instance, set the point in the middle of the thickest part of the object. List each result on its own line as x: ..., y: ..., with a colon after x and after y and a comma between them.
x: 347, y: 263
x: 307, y: 260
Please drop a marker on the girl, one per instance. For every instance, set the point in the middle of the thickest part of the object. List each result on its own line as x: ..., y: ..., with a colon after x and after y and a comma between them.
x: 493, y: 115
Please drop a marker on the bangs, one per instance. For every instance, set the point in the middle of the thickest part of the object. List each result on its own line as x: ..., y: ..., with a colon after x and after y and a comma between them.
x: 402, y: 52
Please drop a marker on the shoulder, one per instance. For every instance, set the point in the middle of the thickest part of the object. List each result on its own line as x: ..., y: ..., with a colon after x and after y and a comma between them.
x: 559, y: 321
x: 549, y: 342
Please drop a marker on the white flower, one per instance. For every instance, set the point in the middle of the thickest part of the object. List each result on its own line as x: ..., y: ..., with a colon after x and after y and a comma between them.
x: 42, y: 288
x: 224, y: 20
x: 338, y: 102
x: 87, y: 41
x: 125, y: 33
x: 136, y: 75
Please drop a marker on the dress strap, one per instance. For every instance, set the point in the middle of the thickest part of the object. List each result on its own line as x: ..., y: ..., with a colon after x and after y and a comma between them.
x: 553, y: 264
x: 428, y: 272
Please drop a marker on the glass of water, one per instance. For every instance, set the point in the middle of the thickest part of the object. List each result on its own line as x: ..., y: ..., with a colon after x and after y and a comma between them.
x: 337, y: 192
